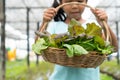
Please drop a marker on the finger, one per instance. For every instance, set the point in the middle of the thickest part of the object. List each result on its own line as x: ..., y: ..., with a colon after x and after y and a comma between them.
x: 50, y: 15
x: 51, y: 11
x: 94, y: 11
x: 102, y: 16
x: 47, y: 19
x: 99, y: 11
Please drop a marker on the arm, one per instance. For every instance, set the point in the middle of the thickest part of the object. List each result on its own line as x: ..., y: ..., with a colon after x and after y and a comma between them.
x: 100, y: 16
x: 48, y: 15
x: 114, y: 40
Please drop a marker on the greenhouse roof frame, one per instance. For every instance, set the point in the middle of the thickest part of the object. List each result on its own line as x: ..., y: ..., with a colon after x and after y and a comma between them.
x: 16, y: 13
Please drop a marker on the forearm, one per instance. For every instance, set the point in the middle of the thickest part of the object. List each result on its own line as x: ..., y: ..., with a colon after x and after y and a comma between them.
x: 114, y: 39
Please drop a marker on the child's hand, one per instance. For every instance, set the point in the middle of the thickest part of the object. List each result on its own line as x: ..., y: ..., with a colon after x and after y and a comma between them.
x: 100, y: 15
x: 49, y: 14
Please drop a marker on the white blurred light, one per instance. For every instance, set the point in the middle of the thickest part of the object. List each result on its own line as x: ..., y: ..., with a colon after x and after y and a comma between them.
x: 11, y: 32
x: 92, y: 3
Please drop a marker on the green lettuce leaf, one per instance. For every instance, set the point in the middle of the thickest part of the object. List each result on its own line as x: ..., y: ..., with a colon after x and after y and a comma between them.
x: 78, y: 50
x: 69, y: 50
x: 39, y: 46
x: 93, y: 30
x: 74, y: 50
x: 75, y: 28
x: 99, y: 40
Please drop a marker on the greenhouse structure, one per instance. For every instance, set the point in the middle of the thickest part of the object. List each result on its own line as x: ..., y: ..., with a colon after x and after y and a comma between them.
x: 19, y: 19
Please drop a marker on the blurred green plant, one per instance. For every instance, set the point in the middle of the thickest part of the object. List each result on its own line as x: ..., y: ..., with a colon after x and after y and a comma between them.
x: 105, y: 77
x: 111, y: 68
x: 18, y: 70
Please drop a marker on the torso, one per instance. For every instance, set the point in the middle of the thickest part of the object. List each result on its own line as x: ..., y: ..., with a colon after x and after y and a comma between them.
x: 71, y: 73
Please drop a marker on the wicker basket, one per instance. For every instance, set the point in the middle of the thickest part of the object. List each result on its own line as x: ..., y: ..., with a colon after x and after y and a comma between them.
x: 58, y: 56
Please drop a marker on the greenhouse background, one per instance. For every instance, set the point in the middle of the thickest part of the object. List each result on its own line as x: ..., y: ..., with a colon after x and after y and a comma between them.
x: 19, y: 19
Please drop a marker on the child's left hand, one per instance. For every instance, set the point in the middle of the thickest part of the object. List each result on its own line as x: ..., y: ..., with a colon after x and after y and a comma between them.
x: 100, y: 15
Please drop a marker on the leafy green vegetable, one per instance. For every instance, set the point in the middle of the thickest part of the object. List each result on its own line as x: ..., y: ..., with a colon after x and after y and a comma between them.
x: 105, y: 50
x: 69, y: 50
x: 77, y: 41
x: 39, y: 46
x: 78, y: 50
x: 93, y: 30
x: 99, y: 40
x: 75, y: 28
x: 88, y: 46
x: 58, y: 38
x: 74, y: 50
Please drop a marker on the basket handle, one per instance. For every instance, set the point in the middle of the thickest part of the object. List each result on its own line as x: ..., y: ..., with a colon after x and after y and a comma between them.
x: 105, y: 29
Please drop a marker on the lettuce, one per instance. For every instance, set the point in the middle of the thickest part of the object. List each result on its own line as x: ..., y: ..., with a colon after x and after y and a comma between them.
x: 76, y: 41
x: 39, y: 46
x: 74, y: 50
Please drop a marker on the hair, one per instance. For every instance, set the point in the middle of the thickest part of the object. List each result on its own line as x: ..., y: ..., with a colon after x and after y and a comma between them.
x: 60, y: 16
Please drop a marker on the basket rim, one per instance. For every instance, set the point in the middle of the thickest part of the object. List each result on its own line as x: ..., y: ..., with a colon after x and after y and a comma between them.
x: 62, y: 49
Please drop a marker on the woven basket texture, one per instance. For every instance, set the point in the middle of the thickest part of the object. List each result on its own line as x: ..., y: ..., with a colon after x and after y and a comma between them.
x: 58, y: 56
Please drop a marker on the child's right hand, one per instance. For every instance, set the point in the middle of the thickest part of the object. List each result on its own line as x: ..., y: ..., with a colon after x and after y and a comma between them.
x: 49, y: 14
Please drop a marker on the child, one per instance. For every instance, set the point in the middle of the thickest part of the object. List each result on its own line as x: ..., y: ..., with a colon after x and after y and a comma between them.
x: 62, y: 19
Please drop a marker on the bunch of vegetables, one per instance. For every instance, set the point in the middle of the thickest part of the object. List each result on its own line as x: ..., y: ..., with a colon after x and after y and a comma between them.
x: 76, y: 41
